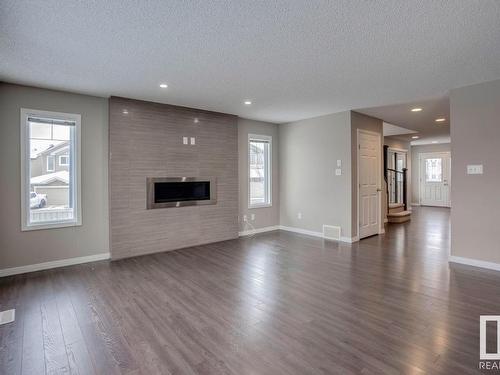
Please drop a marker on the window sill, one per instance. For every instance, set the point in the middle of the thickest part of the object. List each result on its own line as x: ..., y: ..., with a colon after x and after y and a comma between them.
x: 263, y: 205
x: 26, y: 228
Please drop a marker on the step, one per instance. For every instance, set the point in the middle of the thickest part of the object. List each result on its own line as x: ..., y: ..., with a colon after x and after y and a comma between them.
x: 396, y: 207
x: 399, y: 217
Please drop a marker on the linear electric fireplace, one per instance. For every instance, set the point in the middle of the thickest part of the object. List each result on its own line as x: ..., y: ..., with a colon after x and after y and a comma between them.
x: 165, y: 192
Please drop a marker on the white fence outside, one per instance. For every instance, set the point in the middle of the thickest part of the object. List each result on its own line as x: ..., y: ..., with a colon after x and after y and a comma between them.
x: 51, y: 214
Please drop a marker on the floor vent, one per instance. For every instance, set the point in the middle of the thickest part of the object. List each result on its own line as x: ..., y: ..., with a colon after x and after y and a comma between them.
x: 331, y: 232
x: 7, y: 316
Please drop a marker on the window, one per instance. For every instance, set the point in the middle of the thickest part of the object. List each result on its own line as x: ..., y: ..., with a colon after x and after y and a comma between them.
x: 50, y: 196
x: 50, y: 163
x: 433, y: 170
x: 259, y: 171
x: 64, y: 160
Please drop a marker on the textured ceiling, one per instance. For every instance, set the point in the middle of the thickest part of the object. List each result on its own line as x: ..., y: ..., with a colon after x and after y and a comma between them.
x: 423, y: 123
x: 391, y: 129
x: 293, y: 59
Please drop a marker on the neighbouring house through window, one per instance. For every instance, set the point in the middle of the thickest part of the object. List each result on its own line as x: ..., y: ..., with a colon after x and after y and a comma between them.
x: 50, y: 144
x: 259, y: 170
x: 63, y: 160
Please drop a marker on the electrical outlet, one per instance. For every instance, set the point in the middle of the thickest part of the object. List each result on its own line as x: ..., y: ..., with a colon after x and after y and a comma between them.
x: 244, y: 218
x: 252, y: 217
x: 338, y: 172
x: 299, y: 215
x: 193, y: 140
x: 185, y: 140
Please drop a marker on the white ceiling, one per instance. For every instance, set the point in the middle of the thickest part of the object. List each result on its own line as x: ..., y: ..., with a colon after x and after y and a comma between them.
x: 391, y: 129
x: 423, y: 123
x: 293, y: 59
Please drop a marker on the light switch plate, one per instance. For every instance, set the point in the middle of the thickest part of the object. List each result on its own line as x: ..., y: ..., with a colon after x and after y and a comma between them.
x: 193, y: 141
x: 475, y: 169
x: 339, y: 163
x: 185, y: 140
x: 338, y: 172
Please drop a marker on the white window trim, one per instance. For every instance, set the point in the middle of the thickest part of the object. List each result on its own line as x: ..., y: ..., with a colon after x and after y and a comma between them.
x: 269, y: 139
x: 25, y: 170
x: 54, y: 165
x: 61, y: 164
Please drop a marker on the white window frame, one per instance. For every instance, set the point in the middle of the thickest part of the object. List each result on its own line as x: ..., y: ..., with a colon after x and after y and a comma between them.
x: 269, y: 139
x: 65, y: 164
x: 49, y: 157
x: 25, y: 170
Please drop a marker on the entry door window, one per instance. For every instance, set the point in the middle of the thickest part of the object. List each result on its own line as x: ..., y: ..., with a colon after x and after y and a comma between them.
x: 433, y: 170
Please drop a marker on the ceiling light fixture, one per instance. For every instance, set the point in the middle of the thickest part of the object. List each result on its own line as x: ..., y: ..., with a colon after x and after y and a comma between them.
x: 416, y: 109
x: 434, y: 141
x: 163, y: 85
x: 247, y: 102
x: 125, y: 112
x: 415, y: 137
x: 440, y: 119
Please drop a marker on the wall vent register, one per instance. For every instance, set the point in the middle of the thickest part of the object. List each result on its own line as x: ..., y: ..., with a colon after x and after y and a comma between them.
x: 164, y: 192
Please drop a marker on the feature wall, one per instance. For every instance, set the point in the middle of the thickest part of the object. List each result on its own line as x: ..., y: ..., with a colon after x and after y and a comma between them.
x: 146, y: 140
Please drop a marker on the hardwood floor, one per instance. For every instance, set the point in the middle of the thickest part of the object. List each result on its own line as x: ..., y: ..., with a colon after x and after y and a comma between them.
x: 275, y: 303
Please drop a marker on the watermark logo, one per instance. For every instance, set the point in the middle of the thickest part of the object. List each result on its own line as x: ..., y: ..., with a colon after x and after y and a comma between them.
x: 489, y: 361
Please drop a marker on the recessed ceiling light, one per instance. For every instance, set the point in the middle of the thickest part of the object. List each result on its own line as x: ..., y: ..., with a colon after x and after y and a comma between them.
x: 434, y: 141
x: 163, y: 85
x: 441, y: 119
x: 125, y: 112
x: 247, y: 102
x: 415, y: 137
x: 416, y: 109
x: 196, y: 120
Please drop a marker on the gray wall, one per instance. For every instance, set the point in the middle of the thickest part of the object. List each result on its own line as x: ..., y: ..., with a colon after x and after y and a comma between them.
x: 147, y: 142
x: 361, y: 121
x: 415, y: 151
x: 475, y: 135
x: 24, y: 248
x: 265, y: 216
x: 308, y: 151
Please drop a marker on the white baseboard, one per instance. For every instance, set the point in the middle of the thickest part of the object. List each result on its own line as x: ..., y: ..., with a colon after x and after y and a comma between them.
x: 258, y: 230
x: 315, y: 234
x: 53, y: 264
x: 349, y: 239
x: 474, y: 263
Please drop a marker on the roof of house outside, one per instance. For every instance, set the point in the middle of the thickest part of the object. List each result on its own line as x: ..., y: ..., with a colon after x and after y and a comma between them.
x: 44, y: 179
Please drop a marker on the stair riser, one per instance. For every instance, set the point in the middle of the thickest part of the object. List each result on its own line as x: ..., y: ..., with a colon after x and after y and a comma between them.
x: 396, y: 210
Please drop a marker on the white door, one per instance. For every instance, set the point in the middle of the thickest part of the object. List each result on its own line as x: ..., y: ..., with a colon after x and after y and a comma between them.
x: 435, y: 179
x: 369, y: 175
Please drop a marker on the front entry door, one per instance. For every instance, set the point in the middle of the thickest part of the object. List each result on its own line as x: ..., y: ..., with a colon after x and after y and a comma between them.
x: 369, y: 174
x: 435, y: 179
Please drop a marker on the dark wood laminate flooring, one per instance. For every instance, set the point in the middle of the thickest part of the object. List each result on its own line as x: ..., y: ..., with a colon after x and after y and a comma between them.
x: 276, y: 303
